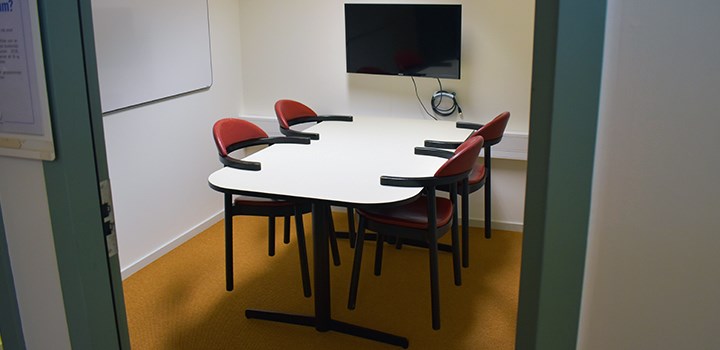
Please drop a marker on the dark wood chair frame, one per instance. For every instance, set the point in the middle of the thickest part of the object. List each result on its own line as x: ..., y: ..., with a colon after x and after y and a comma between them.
x: 278, y: 208
x: 428, y: 236
x: 465, y: 192
x: 315, y: 136
x: 311, y: 119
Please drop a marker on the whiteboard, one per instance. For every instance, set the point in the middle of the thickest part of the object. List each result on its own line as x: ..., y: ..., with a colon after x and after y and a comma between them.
x: 150, y: 50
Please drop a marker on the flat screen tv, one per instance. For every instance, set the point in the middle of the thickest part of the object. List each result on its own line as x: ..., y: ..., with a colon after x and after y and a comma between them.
x: 403, y: 39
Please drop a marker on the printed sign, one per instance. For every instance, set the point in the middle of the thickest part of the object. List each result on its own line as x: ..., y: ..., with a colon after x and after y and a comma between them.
x: 24, y: 116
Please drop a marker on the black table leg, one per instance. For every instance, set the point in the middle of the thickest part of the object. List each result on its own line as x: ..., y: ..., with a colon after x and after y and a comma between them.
x: 229, y: 284
x: 322, y: 321
x: 321, y: 265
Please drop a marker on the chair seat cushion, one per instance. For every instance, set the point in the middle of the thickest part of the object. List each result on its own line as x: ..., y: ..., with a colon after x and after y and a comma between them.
x: 411, y: 215
x: 477, y: 174
x: 260, y: 202
x: 476, y: 177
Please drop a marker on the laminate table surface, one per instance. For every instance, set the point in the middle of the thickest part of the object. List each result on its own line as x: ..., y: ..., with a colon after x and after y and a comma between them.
x: 344, y: 166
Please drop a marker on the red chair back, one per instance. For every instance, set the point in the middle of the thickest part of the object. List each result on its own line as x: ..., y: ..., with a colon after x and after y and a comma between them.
x: 494, y: 130
x: 229, y: 131
x: 287, y: 110
x: 464, y: 158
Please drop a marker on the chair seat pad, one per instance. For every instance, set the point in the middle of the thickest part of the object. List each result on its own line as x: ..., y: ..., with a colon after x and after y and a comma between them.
x: 477, y: 174
x: 260, y: 202
x: 411, y: 215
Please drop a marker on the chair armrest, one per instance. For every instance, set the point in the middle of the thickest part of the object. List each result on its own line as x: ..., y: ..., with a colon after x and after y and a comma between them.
x: 397, y: 181
x: 289, y: 139
x: 468, y: 125
x: 300, y: 134
x: 426, y: 151
x: 268, y: 141
x: 442, y: 144
x: 426, y: 182
x: 239, y: 163
x: 255, y: 166
x: 312, y: 119
x: 337, y: 118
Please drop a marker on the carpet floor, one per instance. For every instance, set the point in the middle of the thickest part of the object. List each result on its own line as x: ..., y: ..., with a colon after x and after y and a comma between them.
x: 180, y: 302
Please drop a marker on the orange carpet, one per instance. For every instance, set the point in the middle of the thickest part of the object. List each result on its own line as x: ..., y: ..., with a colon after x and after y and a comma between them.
x: 179, y: 301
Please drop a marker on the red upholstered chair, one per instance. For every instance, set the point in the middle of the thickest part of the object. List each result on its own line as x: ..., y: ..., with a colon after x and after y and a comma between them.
x: 425, y: 219
x: 233, y: 134
x: 289, y: 113
x: 492, y: 133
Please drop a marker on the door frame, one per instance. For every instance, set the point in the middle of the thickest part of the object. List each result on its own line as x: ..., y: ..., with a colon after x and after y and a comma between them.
x: 565, y: 100
x: 89, y: 275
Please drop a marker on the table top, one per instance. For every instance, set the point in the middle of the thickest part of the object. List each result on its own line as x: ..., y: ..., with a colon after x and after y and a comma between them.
x: 345, y: 165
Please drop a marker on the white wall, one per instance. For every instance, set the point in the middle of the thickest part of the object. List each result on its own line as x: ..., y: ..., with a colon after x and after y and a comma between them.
x: 651, y: 275
x: 297, y: 50
x: 32, y: 254
x: 160, y: 155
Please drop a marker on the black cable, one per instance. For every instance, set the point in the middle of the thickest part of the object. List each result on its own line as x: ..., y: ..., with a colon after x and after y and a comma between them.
x: 437, y: 100
x: 419, y: 100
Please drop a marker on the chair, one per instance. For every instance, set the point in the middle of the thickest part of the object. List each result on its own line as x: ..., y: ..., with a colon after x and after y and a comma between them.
x: 427, y: 218
x: 492, y: 133
x: 289, y: 113
x: 233, y: 134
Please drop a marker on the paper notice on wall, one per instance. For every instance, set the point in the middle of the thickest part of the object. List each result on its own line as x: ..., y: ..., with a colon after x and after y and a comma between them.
x: 17, y: 112
x: 24, y: 116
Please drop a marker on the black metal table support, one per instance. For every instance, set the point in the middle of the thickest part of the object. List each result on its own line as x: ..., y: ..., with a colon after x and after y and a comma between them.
x: 441, y: 246
x: 322, y: 321
x: 229, y: 282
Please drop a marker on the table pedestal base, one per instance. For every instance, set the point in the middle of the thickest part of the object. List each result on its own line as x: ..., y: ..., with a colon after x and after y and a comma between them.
x: 330, y: 325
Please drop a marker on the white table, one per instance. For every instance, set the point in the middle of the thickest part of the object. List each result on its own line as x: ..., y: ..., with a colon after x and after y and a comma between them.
x: 343, y: 168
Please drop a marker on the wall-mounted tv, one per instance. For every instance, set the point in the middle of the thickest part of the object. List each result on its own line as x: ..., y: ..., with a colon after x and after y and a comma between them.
x: 420, y: 40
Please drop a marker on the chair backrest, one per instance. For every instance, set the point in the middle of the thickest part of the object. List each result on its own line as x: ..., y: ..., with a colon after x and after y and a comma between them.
x: 287, y: 110
x: 493, y: 131
x: 230, y: 131
x: 464, y: 158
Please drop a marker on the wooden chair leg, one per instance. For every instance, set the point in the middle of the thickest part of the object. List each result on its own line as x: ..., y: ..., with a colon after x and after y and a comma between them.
x: 357, y: 262
x: 271, y: 236
x: 465, y: 230
x: 333, y: 240
x: 304, y: 268
x: 229, y: 282
x: 351, y: 226
x: 456, y: 250
x: 379, y: 243
x: 488, y: 212
x: 286, y: 235
x: 434, y: 285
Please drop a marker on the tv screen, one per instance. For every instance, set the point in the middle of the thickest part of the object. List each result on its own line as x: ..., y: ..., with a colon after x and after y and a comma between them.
x: 403, y: 39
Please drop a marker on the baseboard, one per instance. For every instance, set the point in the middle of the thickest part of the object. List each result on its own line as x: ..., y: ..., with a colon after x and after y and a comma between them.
x: 499, y: 225
x: 182, y: 238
